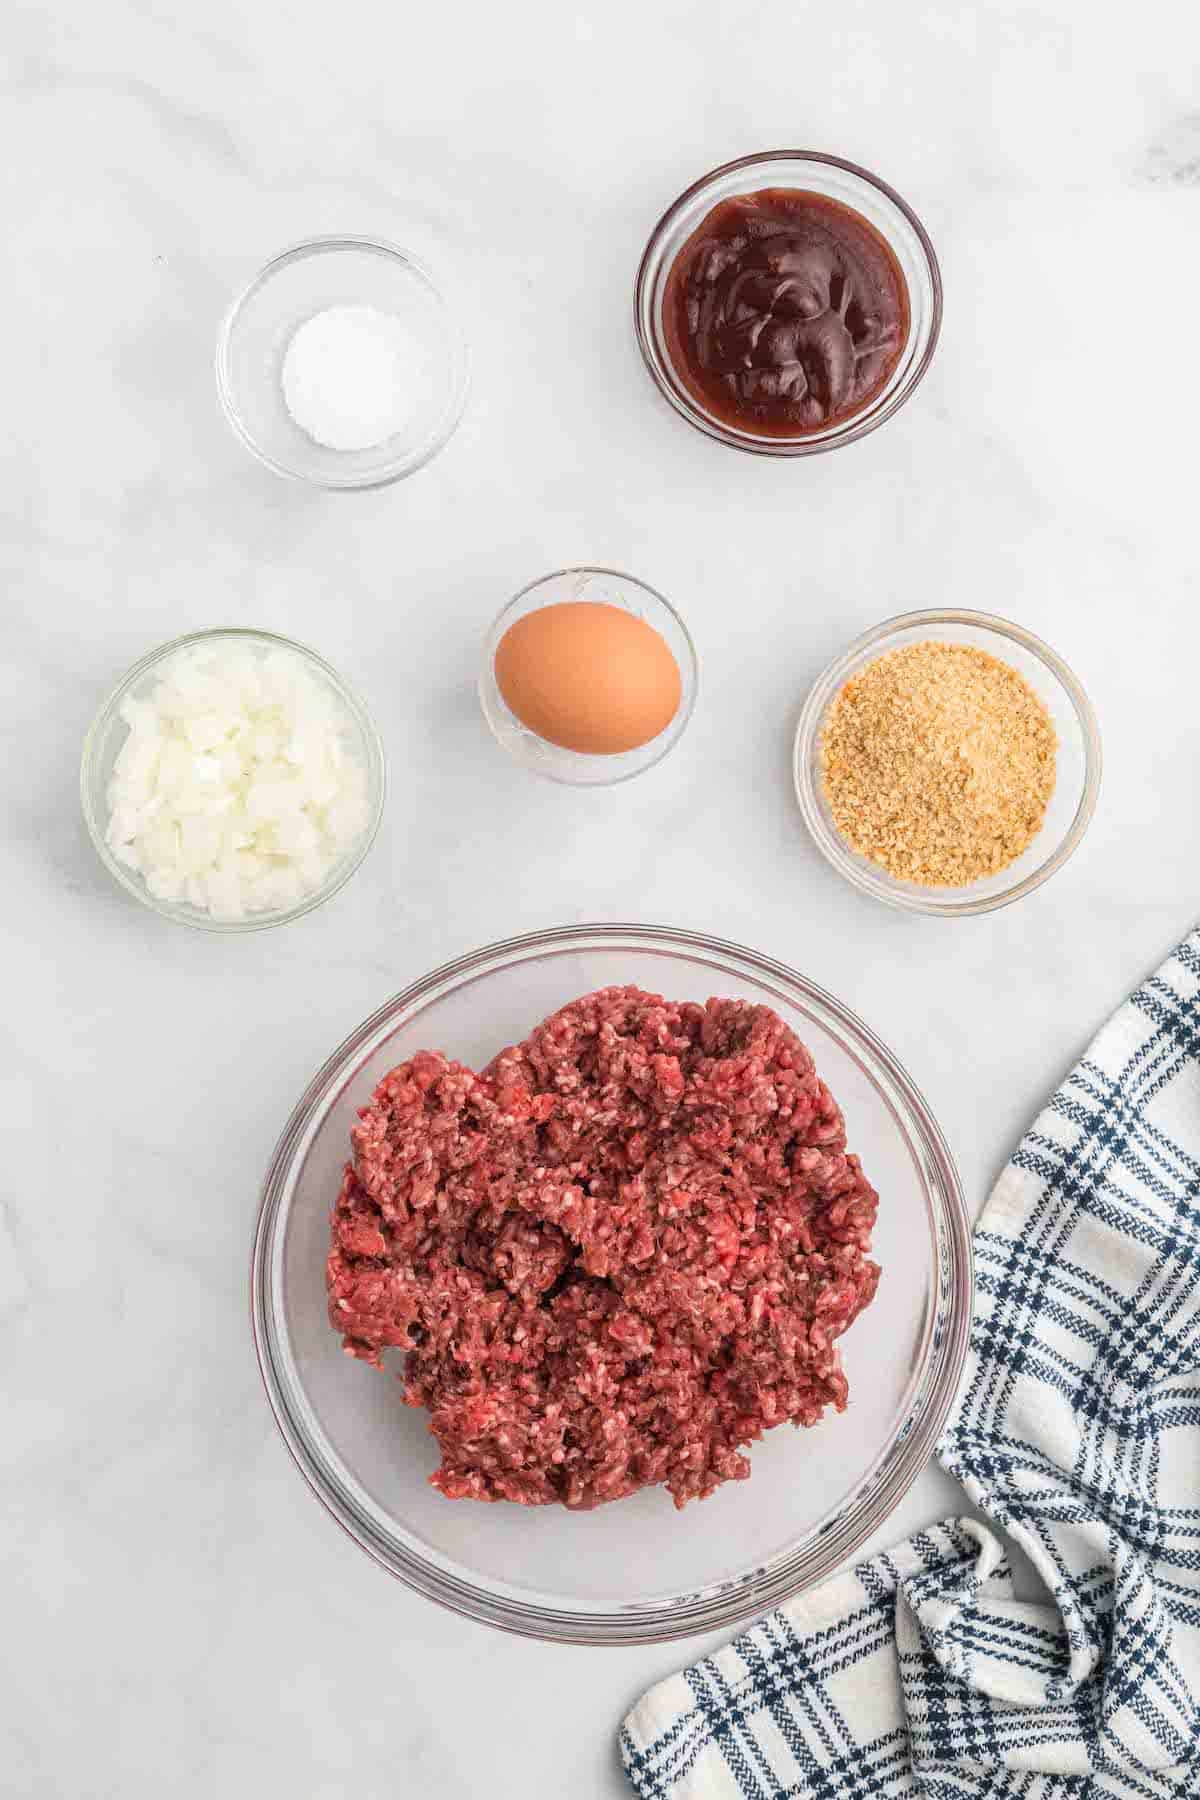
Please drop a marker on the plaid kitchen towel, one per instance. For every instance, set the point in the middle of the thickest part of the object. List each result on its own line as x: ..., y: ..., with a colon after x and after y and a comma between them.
x: 918, y: 1675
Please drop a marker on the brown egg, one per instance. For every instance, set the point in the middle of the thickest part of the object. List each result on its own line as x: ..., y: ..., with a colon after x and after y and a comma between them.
x: 589, y: 677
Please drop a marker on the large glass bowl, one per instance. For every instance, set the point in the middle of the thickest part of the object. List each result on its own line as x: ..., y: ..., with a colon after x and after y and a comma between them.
x: 635, y: 1570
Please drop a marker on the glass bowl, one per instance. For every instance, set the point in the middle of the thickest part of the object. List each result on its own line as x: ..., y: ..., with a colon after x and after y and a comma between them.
x: 303, y: 281
x: 1078, y: 773
x: 836, y: 179
x: 108, y: 732
x: 636, y: 1570
x: 605, y: 586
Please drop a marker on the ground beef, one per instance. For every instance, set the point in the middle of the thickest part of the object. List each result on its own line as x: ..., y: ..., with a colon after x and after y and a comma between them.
x: 612, y: 1259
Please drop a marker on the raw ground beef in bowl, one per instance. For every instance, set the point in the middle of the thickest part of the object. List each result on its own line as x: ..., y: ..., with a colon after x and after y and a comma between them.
x: 615, y: 1257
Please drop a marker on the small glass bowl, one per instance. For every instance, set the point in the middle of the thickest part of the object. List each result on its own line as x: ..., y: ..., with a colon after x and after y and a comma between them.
x: 108, y: 732
x: 573, y: 767
x: 1078, y: 768
x: 810, y: 172
x: 303, y: 281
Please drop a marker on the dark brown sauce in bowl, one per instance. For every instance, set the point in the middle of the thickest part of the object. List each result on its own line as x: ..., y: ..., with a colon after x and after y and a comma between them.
x: 785, y: 312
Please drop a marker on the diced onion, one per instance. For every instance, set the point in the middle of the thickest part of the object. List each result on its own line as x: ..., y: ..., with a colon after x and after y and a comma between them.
x: 237, y: 789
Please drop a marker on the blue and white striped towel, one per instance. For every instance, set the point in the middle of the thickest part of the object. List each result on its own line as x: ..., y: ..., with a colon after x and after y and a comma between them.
x: 1077, y: 1433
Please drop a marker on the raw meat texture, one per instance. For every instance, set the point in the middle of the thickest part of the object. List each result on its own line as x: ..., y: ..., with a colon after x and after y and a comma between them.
x: 615, y: 1257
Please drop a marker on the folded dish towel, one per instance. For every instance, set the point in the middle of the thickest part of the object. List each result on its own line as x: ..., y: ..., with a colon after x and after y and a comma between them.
x: 1076, y: 1432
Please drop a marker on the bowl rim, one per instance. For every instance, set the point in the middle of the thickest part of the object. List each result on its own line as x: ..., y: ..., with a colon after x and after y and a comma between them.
x: 857, y: 426
x: 102, y: 720
x: 460, y: 354
x: 667, y: 739
x: 839, y: 1536
x: 857, y: 870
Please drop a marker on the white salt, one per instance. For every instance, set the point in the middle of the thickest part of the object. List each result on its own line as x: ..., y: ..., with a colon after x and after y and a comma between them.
x: 351, y: 376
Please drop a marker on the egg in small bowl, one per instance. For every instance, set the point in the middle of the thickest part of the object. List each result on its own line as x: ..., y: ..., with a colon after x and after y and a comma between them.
x: 589, y: 677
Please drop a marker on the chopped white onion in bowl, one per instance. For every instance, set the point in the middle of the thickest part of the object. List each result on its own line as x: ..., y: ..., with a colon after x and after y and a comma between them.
x: 237, y: 790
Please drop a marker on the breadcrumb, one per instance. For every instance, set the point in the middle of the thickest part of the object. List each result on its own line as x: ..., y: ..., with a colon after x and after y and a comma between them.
x: 938, y: 763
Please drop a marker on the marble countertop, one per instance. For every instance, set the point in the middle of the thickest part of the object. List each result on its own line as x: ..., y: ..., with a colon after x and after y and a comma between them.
x: 176, y: 1606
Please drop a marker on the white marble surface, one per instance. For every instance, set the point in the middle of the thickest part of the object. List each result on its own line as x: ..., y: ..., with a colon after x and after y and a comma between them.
x: 177, y: 1611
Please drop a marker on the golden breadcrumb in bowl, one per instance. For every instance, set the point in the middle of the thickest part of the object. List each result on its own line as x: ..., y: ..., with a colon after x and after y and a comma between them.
x: 948, y: 762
